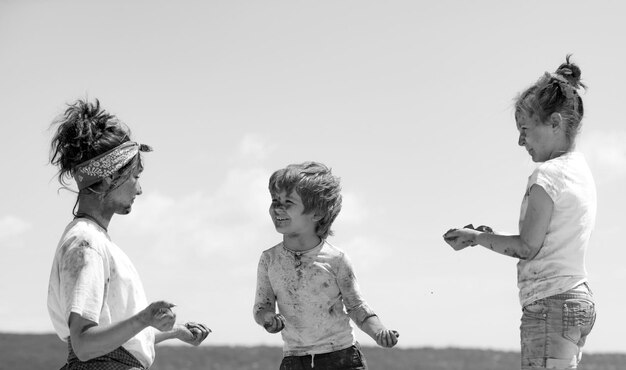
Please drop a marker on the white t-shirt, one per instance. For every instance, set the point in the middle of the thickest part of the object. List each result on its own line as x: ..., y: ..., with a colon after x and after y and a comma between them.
x: 560, y: 264
x: 94, y: 278
x: 316, y: 292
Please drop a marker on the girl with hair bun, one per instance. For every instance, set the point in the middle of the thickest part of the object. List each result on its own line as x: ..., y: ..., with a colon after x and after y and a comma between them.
x: 96, y: 300
x: 557, y: 217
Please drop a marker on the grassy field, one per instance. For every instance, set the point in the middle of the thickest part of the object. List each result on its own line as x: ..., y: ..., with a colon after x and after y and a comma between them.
x: 35, y: 352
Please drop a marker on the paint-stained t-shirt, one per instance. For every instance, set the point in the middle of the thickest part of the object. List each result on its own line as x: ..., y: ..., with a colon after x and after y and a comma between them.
x: 93, y: 277
x: 560, y: 264
x: 317, y: 293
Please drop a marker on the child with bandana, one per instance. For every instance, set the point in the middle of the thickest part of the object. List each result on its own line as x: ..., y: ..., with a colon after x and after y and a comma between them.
x: 310, y: 280
x: 96, y: 300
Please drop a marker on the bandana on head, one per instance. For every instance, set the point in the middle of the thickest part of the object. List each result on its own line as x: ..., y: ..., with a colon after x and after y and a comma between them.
x: 106, y: 164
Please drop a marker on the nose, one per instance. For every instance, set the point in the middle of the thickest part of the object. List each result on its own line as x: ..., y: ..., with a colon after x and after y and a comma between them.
x: 522, y: 140
x: 277, y: 206
x: 139, y: 190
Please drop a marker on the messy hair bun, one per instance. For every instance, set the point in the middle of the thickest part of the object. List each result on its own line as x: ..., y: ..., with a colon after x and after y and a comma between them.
x: 570, y: 72
x: 83, y: 132
x: 556, y: 93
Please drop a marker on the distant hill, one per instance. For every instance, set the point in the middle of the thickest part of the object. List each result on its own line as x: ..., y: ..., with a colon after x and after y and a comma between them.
x: 47, y: 352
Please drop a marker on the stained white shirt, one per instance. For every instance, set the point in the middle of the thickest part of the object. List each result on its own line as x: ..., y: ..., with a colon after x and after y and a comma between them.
x: 317, y: 293
x: 93, y: 277
x: 560, y: 264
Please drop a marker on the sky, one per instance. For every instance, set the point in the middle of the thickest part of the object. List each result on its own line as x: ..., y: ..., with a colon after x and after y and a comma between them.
x: 409, y: 102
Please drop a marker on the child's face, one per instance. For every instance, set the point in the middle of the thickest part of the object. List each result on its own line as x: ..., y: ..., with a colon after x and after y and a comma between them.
x: 537, y: 137
x: 287, y: 214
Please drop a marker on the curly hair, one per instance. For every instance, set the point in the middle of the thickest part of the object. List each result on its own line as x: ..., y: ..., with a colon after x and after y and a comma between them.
x: 83, y: 132
x: 556, y: 92
x: 318, y: 188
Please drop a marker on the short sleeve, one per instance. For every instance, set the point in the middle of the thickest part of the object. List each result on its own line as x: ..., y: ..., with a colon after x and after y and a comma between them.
x: 550, y: 179
x: 82, y: 279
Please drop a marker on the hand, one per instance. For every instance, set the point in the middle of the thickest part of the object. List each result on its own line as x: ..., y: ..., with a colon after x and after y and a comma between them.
x: 193, y: 333
x: 387, y: 338
x: 159, y: 315
x: 275, y: 323
x: 461, y: 238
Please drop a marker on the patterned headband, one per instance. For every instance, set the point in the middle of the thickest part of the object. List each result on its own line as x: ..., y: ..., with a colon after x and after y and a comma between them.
x: 106, y: 164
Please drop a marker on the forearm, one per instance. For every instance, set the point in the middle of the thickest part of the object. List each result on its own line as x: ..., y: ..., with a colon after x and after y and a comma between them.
x: 160, y: 336
x: 371, y: 326
x: 99, y: 340
x: 508, y: 245
x: 262, y: 313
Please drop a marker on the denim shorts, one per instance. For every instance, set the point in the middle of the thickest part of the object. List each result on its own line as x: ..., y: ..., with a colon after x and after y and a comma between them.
x: 350, y: 358
x: 554, y: 329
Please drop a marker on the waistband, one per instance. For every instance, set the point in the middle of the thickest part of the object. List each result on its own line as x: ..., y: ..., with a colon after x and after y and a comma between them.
x: 578, y: 292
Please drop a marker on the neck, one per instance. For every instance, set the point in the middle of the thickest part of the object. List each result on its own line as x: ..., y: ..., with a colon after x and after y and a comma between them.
x: 562, y: 149
x: 301, y: 242
x: 93, y: 209
x: 562, y: 146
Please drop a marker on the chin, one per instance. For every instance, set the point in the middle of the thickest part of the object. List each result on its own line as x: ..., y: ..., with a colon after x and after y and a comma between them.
x: 124, y: 211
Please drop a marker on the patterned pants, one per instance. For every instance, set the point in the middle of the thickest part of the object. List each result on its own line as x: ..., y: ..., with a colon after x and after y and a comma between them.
x: 118, y: 359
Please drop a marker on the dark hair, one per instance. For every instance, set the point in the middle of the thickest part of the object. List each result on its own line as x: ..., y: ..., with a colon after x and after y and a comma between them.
x: 556, y: 92
x: 318, y: 188
x: 83, y: 132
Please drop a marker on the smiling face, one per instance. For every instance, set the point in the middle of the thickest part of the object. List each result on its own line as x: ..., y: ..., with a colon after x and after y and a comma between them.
x: 537, y: 137
x: 287, y: 215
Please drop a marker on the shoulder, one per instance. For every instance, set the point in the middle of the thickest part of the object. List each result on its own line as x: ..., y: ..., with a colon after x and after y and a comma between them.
x: 335, y: 255
x: 272, y: 252
x: 82, y: 236
x: 332, y: 250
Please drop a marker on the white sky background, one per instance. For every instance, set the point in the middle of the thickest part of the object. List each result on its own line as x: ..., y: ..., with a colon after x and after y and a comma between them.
x: 409, y: 103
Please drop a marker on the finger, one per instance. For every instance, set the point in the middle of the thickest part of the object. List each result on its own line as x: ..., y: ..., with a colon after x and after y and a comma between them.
x: 388, y: 338
x: 278, y: 324
x: 193, y: 325
x: 281, y: 321
x: 448, y: 232
x: 204, y: 335
x: 164, y: 304
x: 204, y: 328
x: 395, y: 336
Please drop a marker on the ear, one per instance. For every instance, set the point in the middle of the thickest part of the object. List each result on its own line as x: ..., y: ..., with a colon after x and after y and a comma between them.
x: 317, y: 217
x: 556, y: 120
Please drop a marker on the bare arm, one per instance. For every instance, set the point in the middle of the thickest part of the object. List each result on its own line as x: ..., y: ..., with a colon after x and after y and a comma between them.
x: 90, y: 340
x: 532, y: 235
x: 191, y: 333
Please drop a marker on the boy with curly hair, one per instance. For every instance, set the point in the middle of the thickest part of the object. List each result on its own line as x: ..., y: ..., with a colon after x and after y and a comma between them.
x: 310, y: 280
